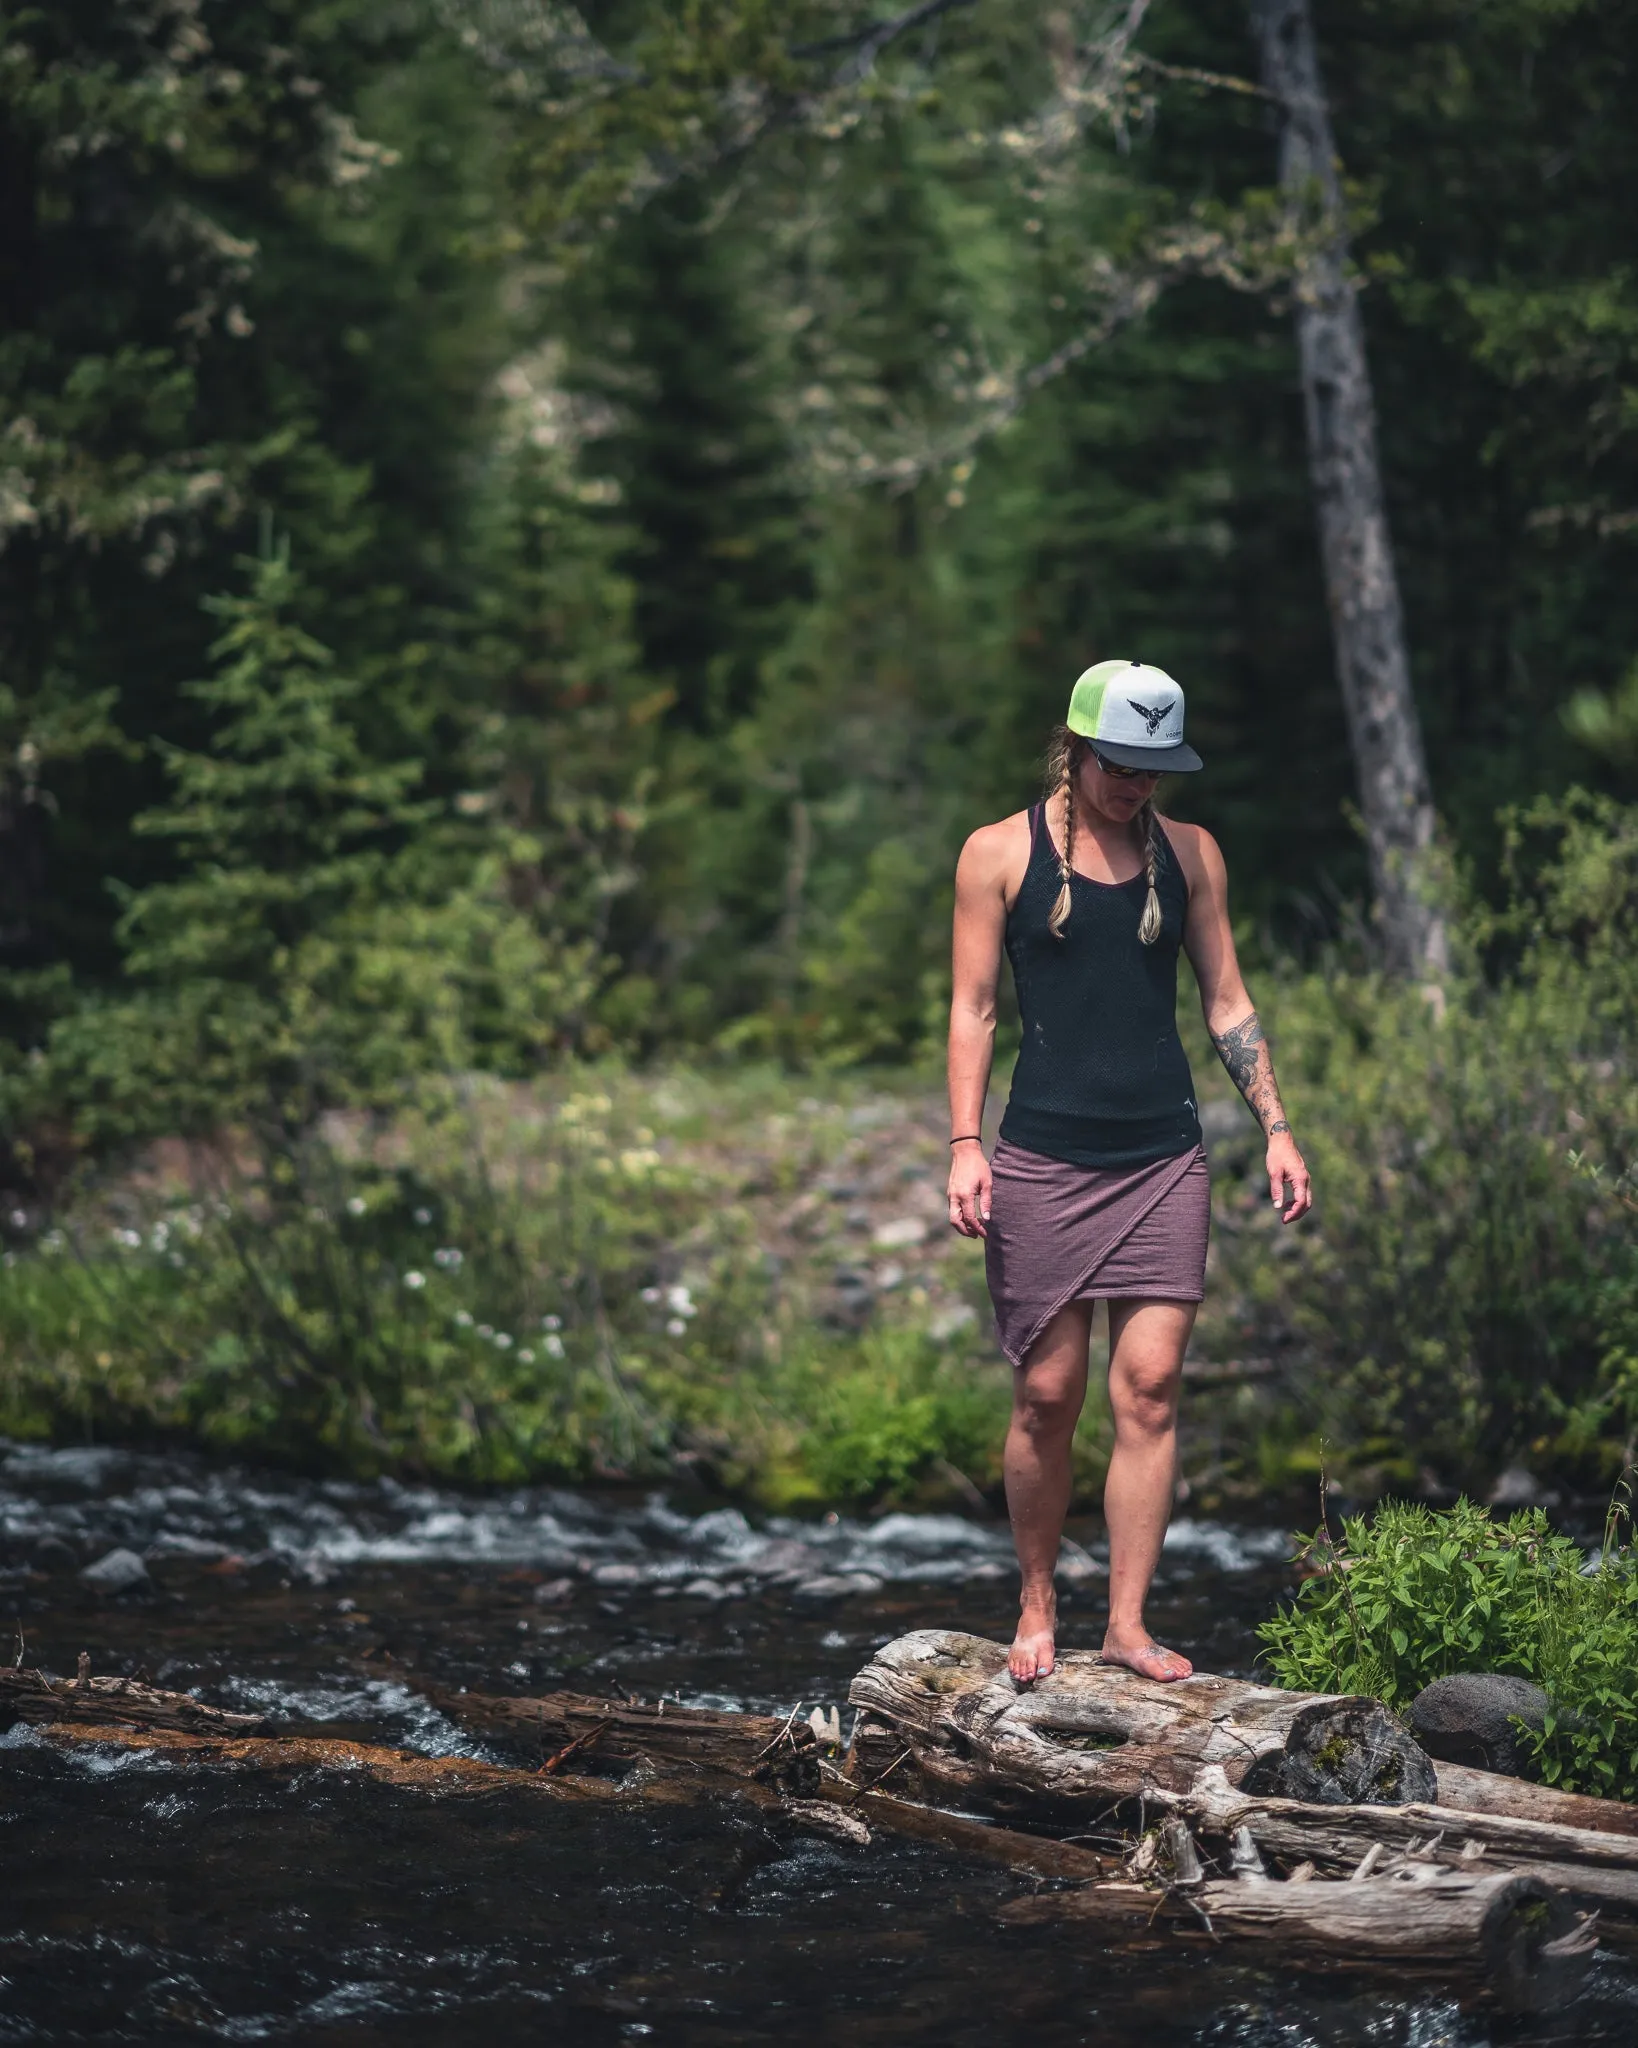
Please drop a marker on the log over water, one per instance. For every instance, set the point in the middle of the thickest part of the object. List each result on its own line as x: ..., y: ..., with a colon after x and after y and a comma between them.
x: 1094, y: 1735
x: 1525, y: 1939
x: 32, y: 1696
x: 772, y: 1749
x: 1482, y: 1893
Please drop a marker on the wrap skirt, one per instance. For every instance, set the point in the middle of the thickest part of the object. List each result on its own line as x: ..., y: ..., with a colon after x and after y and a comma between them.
x: 1059, y: 1233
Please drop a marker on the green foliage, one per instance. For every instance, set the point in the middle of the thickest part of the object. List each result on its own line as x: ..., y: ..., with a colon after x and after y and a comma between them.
x: 497, y: 1282
x: 877, y: 1419
x: 1462, y: 1282
x: 328, y: 934
x: 1412, y: 1595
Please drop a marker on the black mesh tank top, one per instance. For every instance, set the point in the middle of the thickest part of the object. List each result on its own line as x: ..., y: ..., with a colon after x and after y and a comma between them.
x: 1102, y: 1078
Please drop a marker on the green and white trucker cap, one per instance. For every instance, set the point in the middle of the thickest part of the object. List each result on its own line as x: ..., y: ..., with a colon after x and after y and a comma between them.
x: 1133, y: 715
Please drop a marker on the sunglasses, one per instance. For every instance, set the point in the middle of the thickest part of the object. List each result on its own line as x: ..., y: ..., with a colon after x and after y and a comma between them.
x: 1123, y: 774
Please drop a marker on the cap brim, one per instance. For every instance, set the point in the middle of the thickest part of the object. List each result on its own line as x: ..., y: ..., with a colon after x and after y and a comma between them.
x: 1178, y: 760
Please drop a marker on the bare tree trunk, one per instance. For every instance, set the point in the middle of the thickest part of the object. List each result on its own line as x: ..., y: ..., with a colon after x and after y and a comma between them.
x: 1367, y: 624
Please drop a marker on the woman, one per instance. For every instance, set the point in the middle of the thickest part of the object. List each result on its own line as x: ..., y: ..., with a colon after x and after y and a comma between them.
x: 1098, y: 1188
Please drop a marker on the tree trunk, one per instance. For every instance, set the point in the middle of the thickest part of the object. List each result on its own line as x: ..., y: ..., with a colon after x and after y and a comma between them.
x: 1367, y: 624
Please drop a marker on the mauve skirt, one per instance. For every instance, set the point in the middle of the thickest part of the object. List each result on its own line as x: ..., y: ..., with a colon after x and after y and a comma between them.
x: 1060, y: 1233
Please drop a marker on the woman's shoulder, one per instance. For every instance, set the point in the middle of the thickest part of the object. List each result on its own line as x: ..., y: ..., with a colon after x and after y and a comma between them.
x: 996, y: 848
x: 996, y: 858
x: 1198, y: 854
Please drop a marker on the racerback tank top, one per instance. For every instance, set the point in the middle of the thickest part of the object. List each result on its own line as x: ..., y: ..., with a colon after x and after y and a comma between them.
x: 1102, y: 1078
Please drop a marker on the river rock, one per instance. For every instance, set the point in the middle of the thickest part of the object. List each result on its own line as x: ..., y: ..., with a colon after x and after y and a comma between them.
x: 117, y: 1571
x: 1468, y: 1719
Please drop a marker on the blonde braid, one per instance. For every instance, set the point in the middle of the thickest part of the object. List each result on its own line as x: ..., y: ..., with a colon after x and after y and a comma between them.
x: 1060, y: 774
x: 1150, y: 923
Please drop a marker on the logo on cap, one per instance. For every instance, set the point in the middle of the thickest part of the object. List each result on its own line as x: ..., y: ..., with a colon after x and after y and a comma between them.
x: 1150, y: 715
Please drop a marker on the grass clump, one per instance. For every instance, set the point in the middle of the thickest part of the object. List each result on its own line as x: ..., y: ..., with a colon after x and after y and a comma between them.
x: 1412, y: 1594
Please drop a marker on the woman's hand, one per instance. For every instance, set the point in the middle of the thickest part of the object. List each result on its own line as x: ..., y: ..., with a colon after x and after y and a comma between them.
x: 1287, y: 1176
x: 969, y: 1188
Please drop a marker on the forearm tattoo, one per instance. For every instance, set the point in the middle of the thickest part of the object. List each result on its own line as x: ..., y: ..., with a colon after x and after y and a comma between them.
x: 1244, y: 1051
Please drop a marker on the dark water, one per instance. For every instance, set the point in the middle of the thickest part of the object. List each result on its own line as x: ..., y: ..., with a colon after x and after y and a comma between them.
x: 144, y: 1899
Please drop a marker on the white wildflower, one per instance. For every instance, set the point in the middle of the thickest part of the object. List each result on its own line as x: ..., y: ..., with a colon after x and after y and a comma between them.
x: 423, y: 1215
x: 502, y: 1341
x: 414, y: 1280
x: 462, y: 1319
x: 676, y: 1327
x: 554, y: 1346
x: 551, y: 1322
x: 355, y: 1205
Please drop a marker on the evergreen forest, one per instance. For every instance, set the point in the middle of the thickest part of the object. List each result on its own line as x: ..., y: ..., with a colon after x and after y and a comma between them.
x: 528, y: 538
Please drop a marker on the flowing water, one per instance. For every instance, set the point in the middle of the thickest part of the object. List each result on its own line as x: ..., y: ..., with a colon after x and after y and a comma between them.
x: 145, y: 1899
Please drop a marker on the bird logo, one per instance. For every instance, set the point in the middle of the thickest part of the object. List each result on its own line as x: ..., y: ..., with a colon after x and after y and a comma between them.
x: 1150, y: 715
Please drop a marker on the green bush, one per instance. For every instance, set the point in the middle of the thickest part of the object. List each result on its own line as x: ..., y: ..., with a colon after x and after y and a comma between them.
x: 1415, y: 1594
x: 1466, y: 1287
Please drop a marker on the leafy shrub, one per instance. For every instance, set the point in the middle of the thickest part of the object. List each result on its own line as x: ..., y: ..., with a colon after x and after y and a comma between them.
x: 1466, y: 1286
x: 1416, y: 1594
x: 876, y: 1421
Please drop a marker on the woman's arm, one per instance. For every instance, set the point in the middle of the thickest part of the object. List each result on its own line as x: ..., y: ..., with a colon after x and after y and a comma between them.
x: 980, y: 925
x: 1208, y: 940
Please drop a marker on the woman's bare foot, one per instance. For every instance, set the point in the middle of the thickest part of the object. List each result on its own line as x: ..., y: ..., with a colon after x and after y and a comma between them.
x: 1034, y: 1648
x: 1140, y: 1652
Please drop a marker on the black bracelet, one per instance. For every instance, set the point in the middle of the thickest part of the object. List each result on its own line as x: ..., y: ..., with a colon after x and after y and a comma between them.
x: 972, y: 1138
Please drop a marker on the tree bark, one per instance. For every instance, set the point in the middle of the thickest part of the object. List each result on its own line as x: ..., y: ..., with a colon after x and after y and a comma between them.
x: 1367, y: 622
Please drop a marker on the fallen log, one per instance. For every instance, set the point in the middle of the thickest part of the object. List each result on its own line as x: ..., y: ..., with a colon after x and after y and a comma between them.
x: 33, y: 1696
x: 1475, y: 1791
x: 779, y: 1751
x: 1512, y: 1930
x: 843, y: 1813
x: 1094, y: 1735
x: 1596, y: 1868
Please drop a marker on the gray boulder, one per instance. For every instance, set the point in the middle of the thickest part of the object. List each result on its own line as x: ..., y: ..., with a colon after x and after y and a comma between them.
x: 1468, y: 1719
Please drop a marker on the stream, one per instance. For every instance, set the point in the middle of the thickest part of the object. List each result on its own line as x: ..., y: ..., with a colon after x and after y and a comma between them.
x: 146, y: 1900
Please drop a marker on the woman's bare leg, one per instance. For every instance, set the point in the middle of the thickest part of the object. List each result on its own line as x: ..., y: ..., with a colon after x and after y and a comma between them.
x: 1146, y: 1345
x: 1047, y: 1392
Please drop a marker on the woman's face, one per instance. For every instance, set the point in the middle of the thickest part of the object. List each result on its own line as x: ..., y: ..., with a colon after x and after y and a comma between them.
x: 1117, y: 798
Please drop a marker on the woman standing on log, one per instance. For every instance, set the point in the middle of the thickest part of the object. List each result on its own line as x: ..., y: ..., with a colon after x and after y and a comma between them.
x: 1098, y: 1189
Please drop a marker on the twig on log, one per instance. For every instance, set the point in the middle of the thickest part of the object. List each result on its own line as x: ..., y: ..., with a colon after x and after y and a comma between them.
x: 580, y: 1744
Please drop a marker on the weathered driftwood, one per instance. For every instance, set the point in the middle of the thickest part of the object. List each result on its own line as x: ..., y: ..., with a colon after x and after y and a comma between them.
x: 1512, y: 1930
x: 1090, y: 1734
x: 32, y: 1696
x: 940, y: 1708
x: 1095, y: 1735
x: 1475, y: 1791
x: 773, y: 1750
x: 1598, y: 1869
